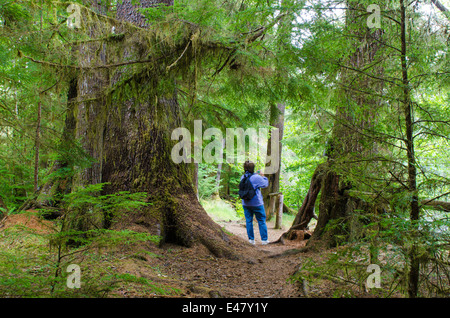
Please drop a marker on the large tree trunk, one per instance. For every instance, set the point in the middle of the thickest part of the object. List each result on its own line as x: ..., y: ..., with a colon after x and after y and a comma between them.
x: 355, y: 112
x: 137, y: 157
x: 89, y: 109
x: 127, y: 136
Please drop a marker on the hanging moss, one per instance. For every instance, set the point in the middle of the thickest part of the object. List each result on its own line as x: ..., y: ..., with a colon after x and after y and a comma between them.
x: 125, y: 121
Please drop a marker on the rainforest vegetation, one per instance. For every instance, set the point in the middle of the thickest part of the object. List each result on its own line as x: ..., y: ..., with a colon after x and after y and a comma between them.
x: 351, y: 101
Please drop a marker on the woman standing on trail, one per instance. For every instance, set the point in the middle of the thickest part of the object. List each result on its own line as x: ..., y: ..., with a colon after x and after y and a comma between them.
x: 252, y: 201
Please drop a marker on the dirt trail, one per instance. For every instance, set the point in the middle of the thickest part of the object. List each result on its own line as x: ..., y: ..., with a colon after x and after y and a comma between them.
x: 257, y: 275
x: 238, y: 228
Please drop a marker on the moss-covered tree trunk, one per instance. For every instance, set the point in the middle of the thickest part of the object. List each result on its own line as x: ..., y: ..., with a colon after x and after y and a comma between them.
x: 138, y: 159
x: 350, y: 142
x: 137, y: 155
x: 81, y: 146
x: 123, y: 118
x: 355, y: 113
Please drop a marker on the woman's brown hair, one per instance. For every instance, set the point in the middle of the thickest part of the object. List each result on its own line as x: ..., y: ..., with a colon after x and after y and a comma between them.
x: 249, y: 166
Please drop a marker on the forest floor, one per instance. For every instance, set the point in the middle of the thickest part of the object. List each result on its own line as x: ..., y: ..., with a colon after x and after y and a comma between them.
x: 146, y: 270
x: 173, y: 271
x: 258, y: 274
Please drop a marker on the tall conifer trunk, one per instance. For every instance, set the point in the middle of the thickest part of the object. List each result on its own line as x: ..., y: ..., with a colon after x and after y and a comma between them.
x: 138, y: 154
x: 355, y: 112
x: 414, y: 268
x: 128, y: 137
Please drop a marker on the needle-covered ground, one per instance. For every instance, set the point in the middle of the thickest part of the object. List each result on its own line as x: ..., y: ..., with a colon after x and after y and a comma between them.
x: 127, y: 264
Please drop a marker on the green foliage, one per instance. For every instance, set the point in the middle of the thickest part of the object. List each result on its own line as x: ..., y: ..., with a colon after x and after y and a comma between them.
x: 206, y: 180
x: 87, y: 205
x: 89, y: 195
x: 222, y: 210
x: 386, y: 241
x: 231, y: 61
x: 304, y: 142
x: 37, y: 271
x: 28, y: 268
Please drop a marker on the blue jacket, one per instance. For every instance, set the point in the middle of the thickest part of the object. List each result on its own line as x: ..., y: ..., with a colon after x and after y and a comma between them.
x: 258, y: 182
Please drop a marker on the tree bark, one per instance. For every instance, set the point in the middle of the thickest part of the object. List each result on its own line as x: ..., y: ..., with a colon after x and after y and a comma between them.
x: 356, y: 111
x: 216, y: 194
x: 127, y: 136
x: 277, y: 121
x: 306, y: 212
x: 440, y: 6
x: 37, y: 145
x: 90, y: 107
x: 413, y: 282
x: 436, y: 205
x: 3, y: 206
x: 137, y: 158
x: 195, y: 179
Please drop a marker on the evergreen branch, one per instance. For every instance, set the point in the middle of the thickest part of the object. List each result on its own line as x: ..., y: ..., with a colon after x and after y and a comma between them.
x: 366, y: 132
x: 398, y: 180
x: 111, y: 37
x: 384, y: 43
x: 49, y: 88
x: 52, y: 64
x: 440, y: 6
x: 430, y: 133
x: 355, y: 89
x: 225, y: 63
x: 368, y: 75
x: 262, y: 30
x: 179, y: 58
x: 438, y: 204
x: 446, y: 122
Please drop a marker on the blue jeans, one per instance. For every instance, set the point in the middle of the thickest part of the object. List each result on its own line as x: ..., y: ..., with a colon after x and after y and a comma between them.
x: 260, y: 214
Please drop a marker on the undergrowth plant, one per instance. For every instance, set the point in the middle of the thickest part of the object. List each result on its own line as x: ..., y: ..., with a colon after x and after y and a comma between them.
x: 87, y: 204
x: 385, y: 242
x: 35, y: 265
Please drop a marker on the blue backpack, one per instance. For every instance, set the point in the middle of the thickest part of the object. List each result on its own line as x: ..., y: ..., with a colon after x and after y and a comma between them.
x: 246, y: 189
